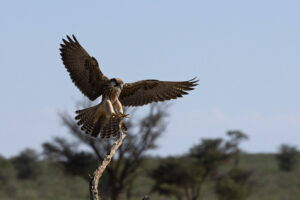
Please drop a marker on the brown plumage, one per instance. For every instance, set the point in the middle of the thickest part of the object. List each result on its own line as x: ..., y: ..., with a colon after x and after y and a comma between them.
x: 147, y: 91
x: 83, y: 69
x: 106, y: 117
x: 112, y: 128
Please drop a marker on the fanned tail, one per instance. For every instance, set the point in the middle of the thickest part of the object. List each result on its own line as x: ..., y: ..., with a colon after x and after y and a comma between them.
x: 85, y: 118
x: 93, y: 121
x: 112, y: 128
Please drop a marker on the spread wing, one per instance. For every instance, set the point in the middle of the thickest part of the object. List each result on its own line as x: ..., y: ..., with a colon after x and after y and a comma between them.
x: 147, y: 91
x: 83, y: 69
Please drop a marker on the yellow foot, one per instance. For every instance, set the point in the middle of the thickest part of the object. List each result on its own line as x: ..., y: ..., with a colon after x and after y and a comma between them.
x: 120, y: 115
x: 123, y: 115
x: 115, y: 116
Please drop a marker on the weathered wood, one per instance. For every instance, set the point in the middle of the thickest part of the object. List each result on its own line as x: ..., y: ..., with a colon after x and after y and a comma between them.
x: 94, y: 195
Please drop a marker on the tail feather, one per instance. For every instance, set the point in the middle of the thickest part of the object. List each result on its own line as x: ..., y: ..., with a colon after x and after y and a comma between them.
x: 85, y: 114
x: 90, y: 125
x: 97, y: 127
x: 113, y: 128
x: 88, y: 122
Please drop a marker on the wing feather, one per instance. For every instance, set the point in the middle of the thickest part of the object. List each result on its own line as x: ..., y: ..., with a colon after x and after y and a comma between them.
x: 83, y: 69
x: 147, y: 91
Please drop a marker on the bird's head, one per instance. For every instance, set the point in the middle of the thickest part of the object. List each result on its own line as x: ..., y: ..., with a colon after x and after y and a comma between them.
x: 116, y: 82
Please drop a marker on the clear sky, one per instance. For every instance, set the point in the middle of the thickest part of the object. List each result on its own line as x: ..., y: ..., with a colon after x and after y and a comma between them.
x: 245, y: 53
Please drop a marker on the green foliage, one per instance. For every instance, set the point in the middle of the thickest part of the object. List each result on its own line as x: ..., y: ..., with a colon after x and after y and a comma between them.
x: 228, y: 189
x: 54, y: 184
x: 74, y: 162
x: 177, y: 176
x: 235, y: 185
x: 8, y: 188
x: 236, y: 137
x: 26, y: 164
x: 211, y: 154
x: 183, y: 177
x: 50, y: 184
x: 168, y: 175
x: 287, y: 157
x: 7, y: 171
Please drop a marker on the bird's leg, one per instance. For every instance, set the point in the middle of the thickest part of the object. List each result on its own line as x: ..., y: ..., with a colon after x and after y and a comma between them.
x: 109, y: 108
x: 119, y: 109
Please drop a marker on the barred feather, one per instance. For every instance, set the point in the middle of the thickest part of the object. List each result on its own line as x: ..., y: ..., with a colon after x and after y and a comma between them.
x: 86, y: 119
x: 112, y: 128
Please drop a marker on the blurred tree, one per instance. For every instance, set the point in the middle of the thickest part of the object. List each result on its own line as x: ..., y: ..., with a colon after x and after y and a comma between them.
x: 141, y: 136
x: 236, y: 137
x: 179, y: 177
x: 26, y: 164
x: 235, y: 185
x: 74, y: 162
x: 210, y: 154
x: 287, y: 157
x: 7, y: 171
x: 183, y: 177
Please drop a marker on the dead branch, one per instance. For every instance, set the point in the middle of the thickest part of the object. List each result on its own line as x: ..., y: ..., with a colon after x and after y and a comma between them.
x: 99, y: 171
x: 94, y: 194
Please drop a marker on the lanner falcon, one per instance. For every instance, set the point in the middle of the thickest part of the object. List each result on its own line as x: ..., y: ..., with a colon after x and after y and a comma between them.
x: 105, y: 117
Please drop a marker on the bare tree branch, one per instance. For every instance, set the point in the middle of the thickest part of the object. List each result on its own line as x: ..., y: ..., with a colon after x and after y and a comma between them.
x: 141, y: 136
x: 99, y: 171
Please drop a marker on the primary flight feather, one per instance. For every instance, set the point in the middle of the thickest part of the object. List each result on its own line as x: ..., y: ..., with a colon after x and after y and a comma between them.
x: 105, y: 117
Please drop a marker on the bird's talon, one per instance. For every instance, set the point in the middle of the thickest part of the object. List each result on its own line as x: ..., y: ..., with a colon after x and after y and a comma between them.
x: 125, y: 115
x: 115, y: 116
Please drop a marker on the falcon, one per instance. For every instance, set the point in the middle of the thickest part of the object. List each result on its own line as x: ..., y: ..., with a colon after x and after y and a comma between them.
x: 106, y: 117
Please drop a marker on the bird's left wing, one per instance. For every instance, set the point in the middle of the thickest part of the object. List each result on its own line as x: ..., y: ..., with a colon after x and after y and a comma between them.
x: 147, y: 91
x: 84, y: 69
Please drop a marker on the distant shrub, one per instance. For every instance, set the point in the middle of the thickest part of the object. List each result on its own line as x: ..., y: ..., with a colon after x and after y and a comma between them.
x: 26, y: 164
x: 235, y: 185
x: 7, y: 171
x: 287, y: 157
x: 183, y: 177
x: 174, y: 175
x: 236, y: 137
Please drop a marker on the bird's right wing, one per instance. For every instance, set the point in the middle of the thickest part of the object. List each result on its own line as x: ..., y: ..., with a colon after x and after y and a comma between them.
x: 83, y: 69
x: 147, y: 91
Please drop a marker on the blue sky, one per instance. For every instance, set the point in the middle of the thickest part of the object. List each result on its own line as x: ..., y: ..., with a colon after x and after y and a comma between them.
x: 245, y: 53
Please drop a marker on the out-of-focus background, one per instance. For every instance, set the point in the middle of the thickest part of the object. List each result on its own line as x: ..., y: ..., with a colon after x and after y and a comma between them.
x: 234, y: 137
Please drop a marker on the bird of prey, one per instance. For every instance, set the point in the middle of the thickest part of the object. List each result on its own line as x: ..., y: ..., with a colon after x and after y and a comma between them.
x: 106, y: 116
